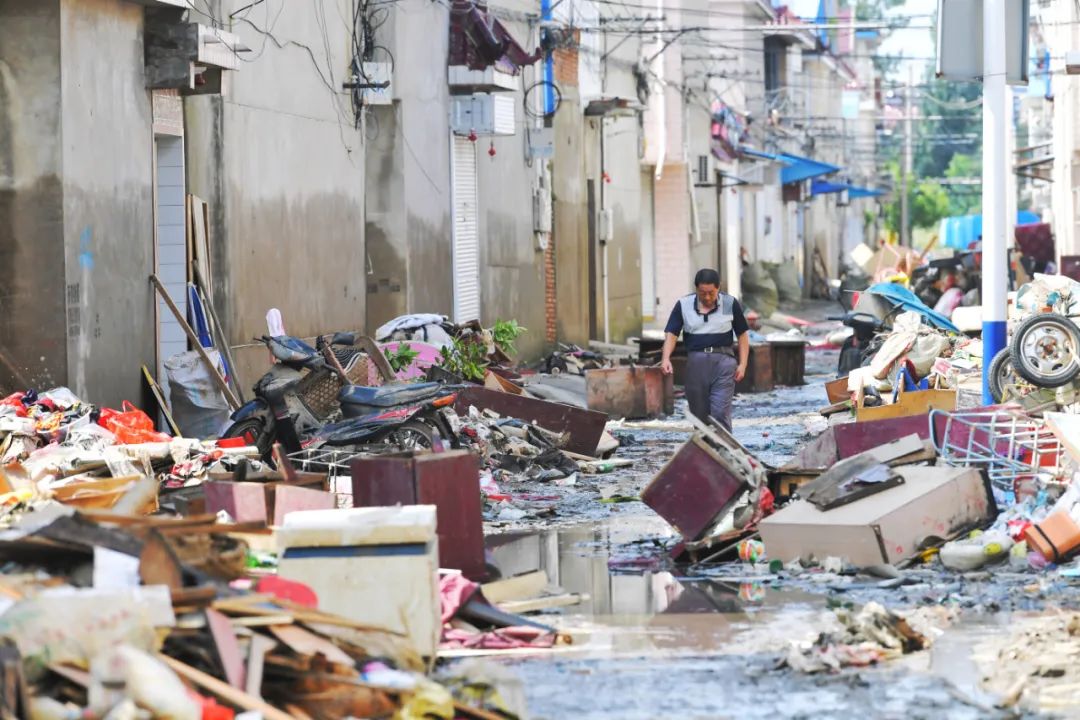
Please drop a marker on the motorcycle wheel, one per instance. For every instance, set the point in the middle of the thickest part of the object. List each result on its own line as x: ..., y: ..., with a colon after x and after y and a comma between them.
x: 413, y: 435
x: 257, y: 431
x: 1001, y: 374
x: 1044, y: 350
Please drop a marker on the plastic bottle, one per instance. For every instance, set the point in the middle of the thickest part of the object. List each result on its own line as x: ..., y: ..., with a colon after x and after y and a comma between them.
x: 975, y: 551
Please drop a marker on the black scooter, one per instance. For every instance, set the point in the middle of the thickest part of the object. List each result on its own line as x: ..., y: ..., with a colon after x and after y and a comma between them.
x: 289, y: 408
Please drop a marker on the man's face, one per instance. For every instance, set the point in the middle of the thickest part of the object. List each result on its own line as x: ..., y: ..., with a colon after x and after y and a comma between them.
x: 707, y: 294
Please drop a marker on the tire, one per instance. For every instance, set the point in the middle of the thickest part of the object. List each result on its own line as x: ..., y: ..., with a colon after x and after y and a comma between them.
x: 1001, y: 374
x: 257, y: 430
x: 413, y: 435
x: 1044, y: 350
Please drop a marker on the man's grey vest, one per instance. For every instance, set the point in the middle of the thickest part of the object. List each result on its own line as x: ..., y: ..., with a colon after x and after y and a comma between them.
x: 716, y: 323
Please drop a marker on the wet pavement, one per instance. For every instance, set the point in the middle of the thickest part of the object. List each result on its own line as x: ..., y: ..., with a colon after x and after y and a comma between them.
x: 652, y: 641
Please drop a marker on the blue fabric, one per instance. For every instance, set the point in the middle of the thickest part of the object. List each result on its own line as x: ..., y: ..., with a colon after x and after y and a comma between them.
x: 199, y: 317
x: 899, y: 295
x: 994, y: 337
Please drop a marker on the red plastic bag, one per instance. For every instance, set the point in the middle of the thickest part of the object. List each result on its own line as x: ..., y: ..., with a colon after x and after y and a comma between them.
x: 16, y: 401
x: 132, y: 426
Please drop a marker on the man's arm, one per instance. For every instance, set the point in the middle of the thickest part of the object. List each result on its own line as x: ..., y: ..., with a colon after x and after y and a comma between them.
x: 742, y: 331
x: 744, y: 356
x: 669, y: 347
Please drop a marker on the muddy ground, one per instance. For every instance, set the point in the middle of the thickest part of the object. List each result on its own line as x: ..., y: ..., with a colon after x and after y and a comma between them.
x: 656, y: 641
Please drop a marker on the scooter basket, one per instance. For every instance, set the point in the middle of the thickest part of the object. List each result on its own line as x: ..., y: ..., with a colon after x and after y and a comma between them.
x: 319, y: 391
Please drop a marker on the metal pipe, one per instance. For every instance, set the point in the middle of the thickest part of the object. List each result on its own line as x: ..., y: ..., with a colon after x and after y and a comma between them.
x: 995, y: 273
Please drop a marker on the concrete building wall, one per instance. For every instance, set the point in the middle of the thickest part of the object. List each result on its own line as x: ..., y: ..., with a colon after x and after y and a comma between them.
x: 621, y: 192
x: 108, y: 199
x: 674, y: 273
x: 287, y: 227
x: 33, y: 331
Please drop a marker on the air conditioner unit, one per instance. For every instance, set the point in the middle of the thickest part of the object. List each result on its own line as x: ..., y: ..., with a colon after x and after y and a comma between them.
x: 483, y: 114
x: 1072, y: 62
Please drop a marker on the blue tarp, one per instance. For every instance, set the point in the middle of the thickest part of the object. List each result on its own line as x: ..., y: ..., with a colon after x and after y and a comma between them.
x: 959, y: 232
x: 899, y: 295
x: 800, y: 168
x: 823, y: 187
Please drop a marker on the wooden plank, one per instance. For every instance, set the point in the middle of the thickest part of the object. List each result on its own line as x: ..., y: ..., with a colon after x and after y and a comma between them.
x: 543, y: 603
x: 259, y: 646
x: 158, y: 564
x: 521, y: 587
x: 159, y: 396
x: 222, y: 340
x: 194, y: 338
x: 227, y: 646
x: 303, y: 642
x: 584, y: 426
x: 224, y: 691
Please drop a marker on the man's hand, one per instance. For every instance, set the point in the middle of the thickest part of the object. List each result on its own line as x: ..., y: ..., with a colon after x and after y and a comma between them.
x: 740, y: 372
x: 665, y: 365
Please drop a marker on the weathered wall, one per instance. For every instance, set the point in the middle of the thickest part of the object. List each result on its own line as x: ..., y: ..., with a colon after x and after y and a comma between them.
x: 33, y: 348
x: 281, y: 164
x: 623, y: 195
x: 108, y: 199
x: 409, y: 229
x: 570, y: 218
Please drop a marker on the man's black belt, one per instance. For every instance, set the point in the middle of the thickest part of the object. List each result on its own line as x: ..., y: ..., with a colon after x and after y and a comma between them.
x: 722, y: 349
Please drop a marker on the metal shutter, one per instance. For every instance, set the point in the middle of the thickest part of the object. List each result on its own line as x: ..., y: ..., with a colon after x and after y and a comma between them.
x: 466, y: 234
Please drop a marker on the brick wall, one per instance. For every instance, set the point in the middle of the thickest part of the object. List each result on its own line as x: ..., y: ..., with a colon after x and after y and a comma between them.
x: 672, y: 213
x: 565, y: 61
x: 550, y: 306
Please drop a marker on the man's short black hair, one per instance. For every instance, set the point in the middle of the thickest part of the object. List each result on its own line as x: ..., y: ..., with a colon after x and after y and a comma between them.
x: 707, y: 276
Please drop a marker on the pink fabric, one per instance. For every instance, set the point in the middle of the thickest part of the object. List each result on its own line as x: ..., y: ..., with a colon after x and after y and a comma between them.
x: 504, y: 639
x: 454, y: 591
x: 428, y: 355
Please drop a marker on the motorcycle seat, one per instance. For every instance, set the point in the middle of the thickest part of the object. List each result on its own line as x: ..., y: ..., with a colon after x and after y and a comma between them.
x: 388, y: 395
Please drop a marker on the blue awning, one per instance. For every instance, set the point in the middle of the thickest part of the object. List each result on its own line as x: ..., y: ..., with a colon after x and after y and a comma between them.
x: 760, y: 155
x: 961, y: 231
x: 824, y: 187
x: 800, y: 168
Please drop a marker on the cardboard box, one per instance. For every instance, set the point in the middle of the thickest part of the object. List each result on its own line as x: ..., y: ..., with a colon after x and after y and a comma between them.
x: 918, y: 402
x: 933, y: 502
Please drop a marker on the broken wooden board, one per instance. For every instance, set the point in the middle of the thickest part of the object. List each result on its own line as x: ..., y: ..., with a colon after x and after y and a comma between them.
x: 585, y: 427
x: 227, y: 647
x: 918, y: 402
x: 521, y: 587
x: 549, y: 602
x: 303, y: 642
x: 223, y: 690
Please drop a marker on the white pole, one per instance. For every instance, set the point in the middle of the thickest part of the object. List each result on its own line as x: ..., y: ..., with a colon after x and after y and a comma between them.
x: 905, y: 200
x: 995, y: 219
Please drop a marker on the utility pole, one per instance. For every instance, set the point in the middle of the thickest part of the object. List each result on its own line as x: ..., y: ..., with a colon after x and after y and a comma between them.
x: 905, y: 198
x: 995, y: 219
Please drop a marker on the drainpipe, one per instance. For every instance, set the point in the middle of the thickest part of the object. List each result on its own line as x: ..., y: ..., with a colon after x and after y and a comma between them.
x: 549, y: 62
x: 661, y: 101
x: 605, y: 237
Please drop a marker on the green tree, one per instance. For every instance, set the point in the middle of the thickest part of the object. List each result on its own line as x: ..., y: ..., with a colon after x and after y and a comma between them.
x: 965, y: 199
x: 929, y: 204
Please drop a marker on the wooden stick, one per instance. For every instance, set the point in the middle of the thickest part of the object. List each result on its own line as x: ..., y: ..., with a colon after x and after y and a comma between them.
x: 226, y: 350
x: 224, y: 691
x: 182, y: 321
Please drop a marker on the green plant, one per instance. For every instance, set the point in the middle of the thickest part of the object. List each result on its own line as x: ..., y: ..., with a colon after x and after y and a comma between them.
x: 402, y: 358
x: 505, y: 333
x: 465, y: 358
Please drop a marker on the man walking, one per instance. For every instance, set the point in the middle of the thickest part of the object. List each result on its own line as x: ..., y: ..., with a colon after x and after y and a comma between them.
x: 710, y: 321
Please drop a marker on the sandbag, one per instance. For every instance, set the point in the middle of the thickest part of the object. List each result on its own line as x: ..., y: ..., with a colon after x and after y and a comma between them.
x: 786, y: 277
x: 198, y: 407
x: 759, y: 290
